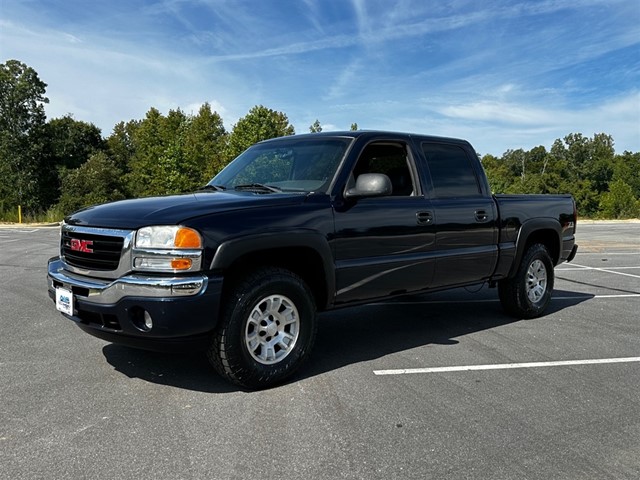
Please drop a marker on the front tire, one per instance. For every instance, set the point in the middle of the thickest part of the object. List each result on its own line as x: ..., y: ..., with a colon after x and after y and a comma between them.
x: 267, y: 329
x: 528, y: 293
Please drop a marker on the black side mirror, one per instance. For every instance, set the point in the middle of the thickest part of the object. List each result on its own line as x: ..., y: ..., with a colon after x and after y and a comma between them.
x: 370, y: 185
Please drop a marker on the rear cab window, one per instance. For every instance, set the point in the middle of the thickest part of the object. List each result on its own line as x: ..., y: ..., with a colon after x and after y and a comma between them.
x: 451, y: 170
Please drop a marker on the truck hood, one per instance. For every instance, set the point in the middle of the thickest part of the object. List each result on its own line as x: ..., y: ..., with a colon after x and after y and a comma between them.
x: 175, y: 209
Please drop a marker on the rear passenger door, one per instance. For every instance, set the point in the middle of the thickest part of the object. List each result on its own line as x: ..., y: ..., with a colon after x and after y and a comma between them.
x: 465, y: 216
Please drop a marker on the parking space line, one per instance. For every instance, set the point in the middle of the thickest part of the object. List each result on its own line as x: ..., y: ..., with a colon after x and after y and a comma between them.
x: 595, y: 268
x: 607, y: 253
x: 506, y: 366
x: 606, y: 270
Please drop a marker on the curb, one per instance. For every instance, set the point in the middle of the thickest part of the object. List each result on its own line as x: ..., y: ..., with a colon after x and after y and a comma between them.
x: 29, y: 225
x: 607, y: 222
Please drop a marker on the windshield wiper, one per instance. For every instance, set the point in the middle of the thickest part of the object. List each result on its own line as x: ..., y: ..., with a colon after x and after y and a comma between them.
x: 259, y: 187
x: 217, y: 188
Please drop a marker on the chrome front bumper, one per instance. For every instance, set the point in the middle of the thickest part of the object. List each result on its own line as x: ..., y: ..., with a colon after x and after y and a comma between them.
x: 108, y: 292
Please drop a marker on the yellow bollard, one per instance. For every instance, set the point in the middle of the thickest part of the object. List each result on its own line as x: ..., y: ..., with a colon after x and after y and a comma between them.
x: 19, y: 213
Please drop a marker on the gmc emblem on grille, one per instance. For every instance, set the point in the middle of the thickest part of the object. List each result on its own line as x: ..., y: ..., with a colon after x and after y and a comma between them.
x: 81, y: 245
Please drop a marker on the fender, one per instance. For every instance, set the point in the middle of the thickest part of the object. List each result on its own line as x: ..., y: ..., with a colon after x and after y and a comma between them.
x: 529, y: 228
x: 231, y: 250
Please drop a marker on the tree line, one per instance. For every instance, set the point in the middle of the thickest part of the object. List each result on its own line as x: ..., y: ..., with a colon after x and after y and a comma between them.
x: 603, y: 183
x: 53, y: 167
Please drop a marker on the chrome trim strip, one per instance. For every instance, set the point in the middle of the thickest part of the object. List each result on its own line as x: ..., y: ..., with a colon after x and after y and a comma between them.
x: 110, y: 292
x: 110, y: 232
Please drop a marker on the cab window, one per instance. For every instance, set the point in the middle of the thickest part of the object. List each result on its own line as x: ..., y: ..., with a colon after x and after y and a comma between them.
x: 390, y: 159
x: 452, y: 173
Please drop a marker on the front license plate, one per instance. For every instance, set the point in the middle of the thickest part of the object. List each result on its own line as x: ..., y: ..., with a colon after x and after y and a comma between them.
x: 64, y: 300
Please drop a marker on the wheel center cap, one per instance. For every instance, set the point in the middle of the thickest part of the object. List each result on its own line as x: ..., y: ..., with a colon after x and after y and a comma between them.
x: 271, y: 329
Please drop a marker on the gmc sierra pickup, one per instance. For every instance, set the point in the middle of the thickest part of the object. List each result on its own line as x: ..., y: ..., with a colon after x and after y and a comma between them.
x: 297, y: 225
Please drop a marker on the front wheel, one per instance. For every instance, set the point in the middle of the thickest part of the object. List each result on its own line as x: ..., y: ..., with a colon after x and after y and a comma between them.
x: 266, y: 331
x: 528, y: 293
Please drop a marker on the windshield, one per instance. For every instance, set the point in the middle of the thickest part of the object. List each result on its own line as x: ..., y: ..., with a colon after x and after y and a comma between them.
x: 304, y: 165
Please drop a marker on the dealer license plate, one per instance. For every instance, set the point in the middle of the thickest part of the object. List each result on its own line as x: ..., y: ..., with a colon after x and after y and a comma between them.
x: 64, y: 300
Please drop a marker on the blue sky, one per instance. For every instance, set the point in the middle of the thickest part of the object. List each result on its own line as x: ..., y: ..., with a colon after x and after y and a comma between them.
x: 502, y: 74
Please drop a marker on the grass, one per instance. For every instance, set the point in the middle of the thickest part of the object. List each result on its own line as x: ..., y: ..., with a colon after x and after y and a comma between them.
x: 53, y: 215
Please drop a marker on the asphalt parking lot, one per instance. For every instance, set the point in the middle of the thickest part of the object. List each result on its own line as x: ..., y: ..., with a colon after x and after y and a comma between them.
x: 432, y: 387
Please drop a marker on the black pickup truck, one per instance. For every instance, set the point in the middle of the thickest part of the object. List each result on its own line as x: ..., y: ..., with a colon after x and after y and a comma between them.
x: 297, y: 225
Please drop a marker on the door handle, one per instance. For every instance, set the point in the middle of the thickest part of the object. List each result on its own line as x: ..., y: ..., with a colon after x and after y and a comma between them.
x: 481, y: 215
x: 424, y: 218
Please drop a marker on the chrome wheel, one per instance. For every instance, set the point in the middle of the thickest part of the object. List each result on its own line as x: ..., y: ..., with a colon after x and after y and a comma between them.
x: 536, y: 281
x: 272, y: 329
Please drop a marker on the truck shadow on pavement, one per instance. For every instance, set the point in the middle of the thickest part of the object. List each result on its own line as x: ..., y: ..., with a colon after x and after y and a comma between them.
x: 347, y: 336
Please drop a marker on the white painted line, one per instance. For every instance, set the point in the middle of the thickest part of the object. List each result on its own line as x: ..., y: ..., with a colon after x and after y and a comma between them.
x: 595, y: 268
x: 606, y: 271
x: 607, y: 253
x: 618, y: 295
x: 506, y: 366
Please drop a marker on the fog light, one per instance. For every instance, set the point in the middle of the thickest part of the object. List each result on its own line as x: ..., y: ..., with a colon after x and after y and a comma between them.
x: 141, y: 319
x: 148, y: 322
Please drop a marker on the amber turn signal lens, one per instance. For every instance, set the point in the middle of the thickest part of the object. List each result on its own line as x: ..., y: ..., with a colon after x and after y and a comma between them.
x: 181, y: 263
x: 187, y: 238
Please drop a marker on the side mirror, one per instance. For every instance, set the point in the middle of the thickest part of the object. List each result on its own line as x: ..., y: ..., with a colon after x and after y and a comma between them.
x: 370, y: 185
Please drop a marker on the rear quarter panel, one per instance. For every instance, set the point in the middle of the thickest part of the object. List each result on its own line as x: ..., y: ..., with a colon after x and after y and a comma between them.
x: 524, y: 217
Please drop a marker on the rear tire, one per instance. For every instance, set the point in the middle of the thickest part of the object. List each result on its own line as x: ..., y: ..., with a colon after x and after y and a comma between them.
x: 267, y: 329
x: 528, y: 293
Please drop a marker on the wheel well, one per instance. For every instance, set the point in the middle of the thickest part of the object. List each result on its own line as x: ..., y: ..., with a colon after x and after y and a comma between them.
x: 549, y: 238
x: 303, y: 261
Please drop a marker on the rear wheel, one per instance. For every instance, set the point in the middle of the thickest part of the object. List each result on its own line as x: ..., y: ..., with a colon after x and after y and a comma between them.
x: 528, y: 293
x: 266, y: 331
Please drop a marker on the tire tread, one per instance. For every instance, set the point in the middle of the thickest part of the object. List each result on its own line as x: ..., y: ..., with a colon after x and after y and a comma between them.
x: 220, y: 352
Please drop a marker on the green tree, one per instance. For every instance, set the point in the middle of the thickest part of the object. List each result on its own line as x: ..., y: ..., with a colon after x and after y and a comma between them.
x: 173, y: 154
x: 626, y: 167
x: 499, y: 175
x: 619, y: 202
x: 22, y: 139
x: 315, y: 127
x: 259, y: 124
x: 121, y: 144
x: 354, y: 127
x: 599, y: 167
x: 587, y: 167
x: 205, y: 142
x: 154, y: 136
x: 71, y: 142
x: 98, y: 180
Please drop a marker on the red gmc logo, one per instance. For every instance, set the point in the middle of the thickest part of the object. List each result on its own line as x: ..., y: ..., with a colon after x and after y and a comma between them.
x: 81, y: 245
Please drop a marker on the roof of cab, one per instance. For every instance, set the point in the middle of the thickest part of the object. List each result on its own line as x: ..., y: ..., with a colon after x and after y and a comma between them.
x: 371, y: 134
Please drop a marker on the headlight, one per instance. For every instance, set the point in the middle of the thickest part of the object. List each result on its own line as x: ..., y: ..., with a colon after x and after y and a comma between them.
x: 171, y: 236
x: 168, y: 248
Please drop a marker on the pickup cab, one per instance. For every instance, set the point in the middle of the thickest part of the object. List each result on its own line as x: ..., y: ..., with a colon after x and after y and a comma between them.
x: 297, y: 225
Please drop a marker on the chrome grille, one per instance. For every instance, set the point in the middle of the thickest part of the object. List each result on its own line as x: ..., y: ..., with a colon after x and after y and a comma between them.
x: 105, y: 254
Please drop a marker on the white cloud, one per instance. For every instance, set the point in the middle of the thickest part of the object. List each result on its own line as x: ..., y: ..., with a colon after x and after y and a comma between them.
x: 498, y: 112
x: 455, y: 68
x: 216, y: 106
x: 105, y: 81
x: 499, y: 126
x: 344, y: 82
